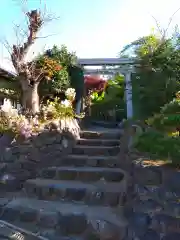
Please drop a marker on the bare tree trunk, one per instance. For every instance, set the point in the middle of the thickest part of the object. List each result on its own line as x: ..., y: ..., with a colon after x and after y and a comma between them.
x: 30, y: 97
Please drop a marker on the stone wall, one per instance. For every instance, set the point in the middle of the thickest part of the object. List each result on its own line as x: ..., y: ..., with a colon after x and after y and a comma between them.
x: 153, y: 206
x: 22, y: 159
x: 153, y: 197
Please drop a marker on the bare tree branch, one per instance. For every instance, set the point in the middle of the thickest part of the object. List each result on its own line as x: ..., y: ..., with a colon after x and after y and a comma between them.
x: 163, y: 32
x: 35, y: 24
x: 51, y: 35
x: 6, y: 44
x: 171, y: 18
x: 19, y: 52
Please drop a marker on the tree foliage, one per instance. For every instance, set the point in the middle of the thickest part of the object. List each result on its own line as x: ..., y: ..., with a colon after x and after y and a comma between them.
x: 62, y: 55
x: 142, y: 47
x: 158, y: 84
x: 56, y: 61
x: 157, y: 77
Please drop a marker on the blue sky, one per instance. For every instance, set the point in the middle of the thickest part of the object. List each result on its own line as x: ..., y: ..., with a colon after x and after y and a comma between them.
x: 91, y: 28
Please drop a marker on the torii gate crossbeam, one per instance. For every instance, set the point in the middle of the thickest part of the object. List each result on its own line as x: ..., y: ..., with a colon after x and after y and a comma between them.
x: 105, y: 61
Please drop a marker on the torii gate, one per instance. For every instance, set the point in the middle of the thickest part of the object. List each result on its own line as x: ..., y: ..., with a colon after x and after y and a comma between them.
x: 124, y: 66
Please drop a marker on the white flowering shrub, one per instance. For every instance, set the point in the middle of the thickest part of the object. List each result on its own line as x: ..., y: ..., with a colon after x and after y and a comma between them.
x: 66, y: 103
x: 70, y: 94
x: 7, y: 109
x: 57, y: 110
x: 27, y: 125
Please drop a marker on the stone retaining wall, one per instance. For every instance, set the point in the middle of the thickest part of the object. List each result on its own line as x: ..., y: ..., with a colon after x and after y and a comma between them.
x: 21, y: 160
x: 153, y: 197
x: 153, y: 206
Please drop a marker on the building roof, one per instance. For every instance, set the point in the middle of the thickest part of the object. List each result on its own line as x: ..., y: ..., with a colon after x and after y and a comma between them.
x: 6, y: 74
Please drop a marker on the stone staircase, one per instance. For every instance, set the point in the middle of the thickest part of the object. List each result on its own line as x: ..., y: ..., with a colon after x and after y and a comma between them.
x: 83, y: 198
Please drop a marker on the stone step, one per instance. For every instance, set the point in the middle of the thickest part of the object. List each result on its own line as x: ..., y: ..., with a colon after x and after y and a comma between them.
x: 96, y: 150
x: 98, y: 142
x: 64, y: 219
x: 91, y: 161
x: 100, y: 193
x: 85, y: 174
x: 105, y: 124
x: 13, y: 181
x: 108, y: 134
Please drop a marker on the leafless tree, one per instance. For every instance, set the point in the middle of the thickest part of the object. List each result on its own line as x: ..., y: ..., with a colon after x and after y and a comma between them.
x: 28, y: 74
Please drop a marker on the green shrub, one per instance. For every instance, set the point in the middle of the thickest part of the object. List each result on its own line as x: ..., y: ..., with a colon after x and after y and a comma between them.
x: 169, y: 118
x: 102, y: 110
x: 110, y: 104
x: 159, y: 145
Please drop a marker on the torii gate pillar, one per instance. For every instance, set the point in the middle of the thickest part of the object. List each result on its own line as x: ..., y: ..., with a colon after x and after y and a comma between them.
x: 127, y: 71
x: 128, y: 94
